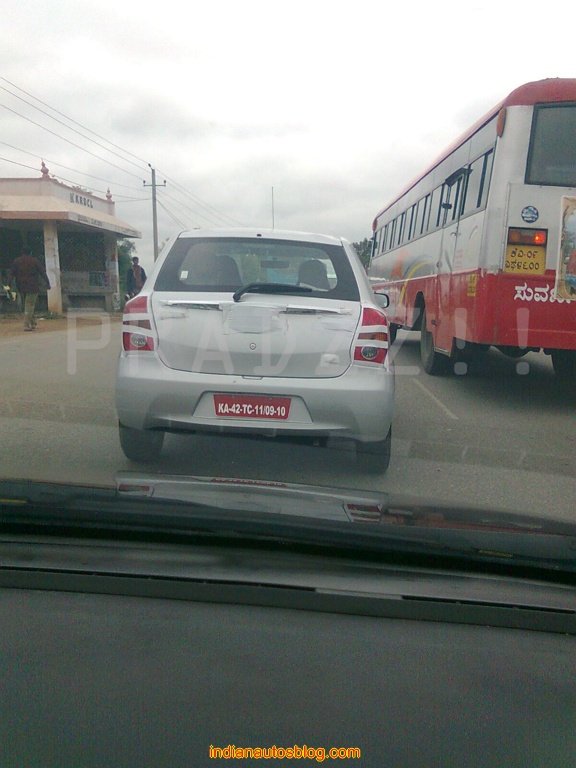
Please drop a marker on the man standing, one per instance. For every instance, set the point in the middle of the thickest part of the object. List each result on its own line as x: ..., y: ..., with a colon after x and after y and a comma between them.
x: 135, y: 278
x: 26, y: 272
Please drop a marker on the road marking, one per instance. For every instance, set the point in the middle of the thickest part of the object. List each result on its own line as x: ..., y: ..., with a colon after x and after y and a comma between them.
x: 433, y: 397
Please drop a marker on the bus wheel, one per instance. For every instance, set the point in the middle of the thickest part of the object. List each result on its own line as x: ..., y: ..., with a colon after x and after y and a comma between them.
x: 392, y: 331
x: 433, y: 362
x: 564, y: 362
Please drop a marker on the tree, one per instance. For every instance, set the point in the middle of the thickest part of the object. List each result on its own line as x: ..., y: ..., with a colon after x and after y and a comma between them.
x: 364, y: 249
x: 126, y: 250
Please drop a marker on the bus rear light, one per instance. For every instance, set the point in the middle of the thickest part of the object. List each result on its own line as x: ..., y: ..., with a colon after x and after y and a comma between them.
x: 517, y: 236
x: 371, y: 343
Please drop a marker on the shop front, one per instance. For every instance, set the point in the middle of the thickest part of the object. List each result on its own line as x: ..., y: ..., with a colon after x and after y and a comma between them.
x: 73, y: 232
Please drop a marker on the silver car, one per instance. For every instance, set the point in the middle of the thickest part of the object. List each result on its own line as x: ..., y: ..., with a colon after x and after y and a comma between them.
x: 256, y: 332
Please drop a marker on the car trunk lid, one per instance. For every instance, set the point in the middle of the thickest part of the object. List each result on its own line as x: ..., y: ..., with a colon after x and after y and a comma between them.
x: 284, y: 336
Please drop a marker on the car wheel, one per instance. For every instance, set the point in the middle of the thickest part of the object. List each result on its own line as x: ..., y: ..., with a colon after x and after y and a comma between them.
x: 375, y: 457
x: 433, y: 362
x: 564, y: 362
x: 140, y: 444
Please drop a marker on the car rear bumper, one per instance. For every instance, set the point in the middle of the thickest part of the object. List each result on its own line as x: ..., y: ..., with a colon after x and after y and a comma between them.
x: 357, y: 405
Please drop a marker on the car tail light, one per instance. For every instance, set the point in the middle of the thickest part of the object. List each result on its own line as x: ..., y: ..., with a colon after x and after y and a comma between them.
x: 371, y: 342
x: 517, y: 236
x: 138, y: 335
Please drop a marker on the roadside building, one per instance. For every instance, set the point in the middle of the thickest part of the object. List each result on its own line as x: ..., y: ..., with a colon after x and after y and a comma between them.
x: 74, y: 233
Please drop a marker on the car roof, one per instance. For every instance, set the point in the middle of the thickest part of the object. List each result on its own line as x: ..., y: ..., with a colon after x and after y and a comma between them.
x: 270, y: 234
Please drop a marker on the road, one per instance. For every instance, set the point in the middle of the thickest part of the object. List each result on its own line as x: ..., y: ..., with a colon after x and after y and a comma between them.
x: 504, y: 435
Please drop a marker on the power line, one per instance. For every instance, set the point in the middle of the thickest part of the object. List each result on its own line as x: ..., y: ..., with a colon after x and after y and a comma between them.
x: 125, y: 151
x: 22, y: 165
x: 213, y: 212
x: 212, y: 222
x: 199, y: 202
x: 173, y: 216
x: 71, y: 181
x: 224, y: 217
x: 103, y: 159
x: 68, y: 127
x: 68, y: 168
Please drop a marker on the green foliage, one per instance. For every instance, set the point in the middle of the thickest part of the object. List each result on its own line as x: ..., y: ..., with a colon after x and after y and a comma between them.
x: 364, y: 249
x: 126, y: 250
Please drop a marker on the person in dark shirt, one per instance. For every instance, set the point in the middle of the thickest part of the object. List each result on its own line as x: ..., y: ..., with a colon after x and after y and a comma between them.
x: 135, y: 278
x: 27, y: 273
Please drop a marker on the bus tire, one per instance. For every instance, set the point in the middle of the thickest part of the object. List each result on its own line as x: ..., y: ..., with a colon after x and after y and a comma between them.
x: 433, y: 362
x: 564, y: 362
x: 392, y: 331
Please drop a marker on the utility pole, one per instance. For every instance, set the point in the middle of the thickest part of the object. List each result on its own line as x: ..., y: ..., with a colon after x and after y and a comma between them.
x: 154, y: 208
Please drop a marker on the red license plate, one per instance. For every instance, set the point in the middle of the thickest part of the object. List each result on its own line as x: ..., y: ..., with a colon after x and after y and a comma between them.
x: 251, y: 407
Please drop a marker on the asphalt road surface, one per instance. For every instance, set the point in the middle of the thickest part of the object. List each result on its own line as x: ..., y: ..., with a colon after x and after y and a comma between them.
x: 503, y: 435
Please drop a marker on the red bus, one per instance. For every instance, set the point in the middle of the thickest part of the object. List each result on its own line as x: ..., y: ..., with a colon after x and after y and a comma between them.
x: 478, y: 250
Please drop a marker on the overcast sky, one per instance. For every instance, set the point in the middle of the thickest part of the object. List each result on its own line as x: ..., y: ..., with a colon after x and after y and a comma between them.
x: 334, y: 106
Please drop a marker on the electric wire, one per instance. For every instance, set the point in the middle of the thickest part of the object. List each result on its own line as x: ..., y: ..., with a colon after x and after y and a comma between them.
x: 69, y: 141
x: 224, y: 217
x: 68, y: 168
x: 213, y: 216
x: 197, y: 215
x: 71, y: 181
x: 172, y: 215
x: 125, y: 151
x: 68, y: 127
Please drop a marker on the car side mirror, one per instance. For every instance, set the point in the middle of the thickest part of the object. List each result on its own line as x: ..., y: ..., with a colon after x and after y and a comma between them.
x: 382, y: 299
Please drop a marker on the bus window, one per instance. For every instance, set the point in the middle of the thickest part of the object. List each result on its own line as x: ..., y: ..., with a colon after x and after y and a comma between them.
x: 552, y: 153
x: 456, y: 197
x: 392, y: 234
x: 486, y: 176
x: 418, y: 217
x: 425, y: 214
x: 474, y: 185
x: 444, y: 216
x: 401, y: 228
x: 435, y: 209
x: 409, y: 220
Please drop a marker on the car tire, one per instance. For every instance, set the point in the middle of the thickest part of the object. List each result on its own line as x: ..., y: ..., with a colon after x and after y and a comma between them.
x: 564, y: 362
x: 141, y: 445
x: 375, y: 457
x: 434, y: 363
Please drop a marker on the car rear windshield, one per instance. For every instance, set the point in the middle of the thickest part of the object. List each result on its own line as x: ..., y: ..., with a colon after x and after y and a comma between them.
x: 227, y: 264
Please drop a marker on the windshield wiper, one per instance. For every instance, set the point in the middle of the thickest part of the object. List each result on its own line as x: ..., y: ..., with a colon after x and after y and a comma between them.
x: 270, y: 288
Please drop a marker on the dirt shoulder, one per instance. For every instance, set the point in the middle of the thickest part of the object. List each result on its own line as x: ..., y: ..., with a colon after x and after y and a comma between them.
x: 13, y: 325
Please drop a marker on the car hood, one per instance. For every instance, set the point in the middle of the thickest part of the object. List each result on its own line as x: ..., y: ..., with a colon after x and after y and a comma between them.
x: 343, y: 505
x: 365, y: 523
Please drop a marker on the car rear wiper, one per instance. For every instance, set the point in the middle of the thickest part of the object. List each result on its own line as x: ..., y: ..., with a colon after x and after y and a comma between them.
x: 270, y: 288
